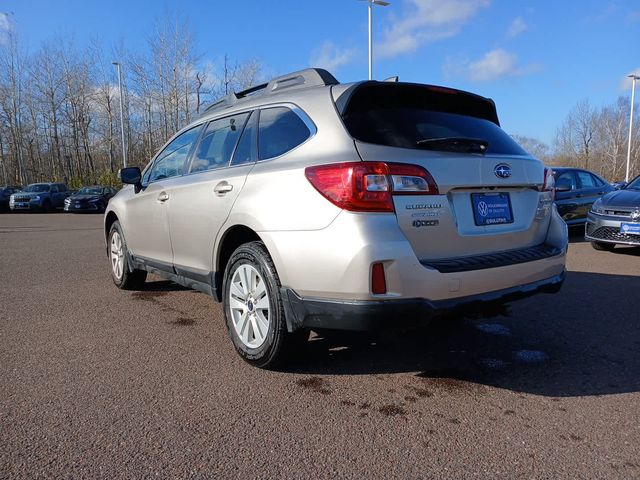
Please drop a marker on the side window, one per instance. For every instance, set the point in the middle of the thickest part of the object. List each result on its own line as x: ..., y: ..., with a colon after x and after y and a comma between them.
x: 586, y: 180
x: 217, y: 143
x: 567, y: 178
x: 598, y: 181
x: 54, y: 189
x: 245, y: 151
x: 171, y: 161
x: 281, y: 130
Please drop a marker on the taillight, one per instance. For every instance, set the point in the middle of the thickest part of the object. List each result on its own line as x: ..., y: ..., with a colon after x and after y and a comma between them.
x: 369, y: 186
x: 549, y: 183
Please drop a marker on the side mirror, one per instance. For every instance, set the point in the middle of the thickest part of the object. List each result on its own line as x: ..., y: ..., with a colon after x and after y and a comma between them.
x: 564, y: 185
x: 131, y: 176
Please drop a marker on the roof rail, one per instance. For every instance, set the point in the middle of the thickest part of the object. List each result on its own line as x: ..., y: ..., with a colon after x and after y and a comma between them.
x: 310, y: 77
x: 224, y: 102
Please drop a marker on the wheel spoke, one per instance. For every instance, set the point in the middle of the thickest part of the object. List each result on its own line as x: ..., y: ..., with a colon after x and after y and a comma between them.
x: 263, y: 323
x: 263, y: 303
x: 236, y: 304
x: 236, y: 292
x: 257, y: 334
x: 260, y: 290
x: 243, y: 331
x: 246, y: 285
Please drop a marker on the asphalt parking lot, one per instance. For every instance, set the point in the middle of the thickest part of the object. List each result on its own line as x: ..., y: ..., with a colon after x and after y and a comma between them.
x: 100, y: 383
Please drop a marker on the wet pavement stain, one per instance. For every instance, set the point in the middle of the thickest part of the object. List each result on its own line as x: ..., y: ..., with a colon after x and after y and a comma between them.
x: 147, y: 295
x: 315, y: 384
x: 183, y: 322
x: 392, y: 410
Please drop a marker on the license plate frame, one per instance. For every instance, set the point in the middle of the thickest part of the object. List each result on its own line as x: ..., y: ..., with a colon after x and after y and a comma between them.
x: 492, y: 208
x: 628, y: 228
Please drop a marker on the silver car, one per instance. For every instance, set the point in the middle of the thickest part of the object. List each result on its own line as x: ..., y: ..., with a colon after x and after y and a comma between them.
x: 304, y: 203
x: 615, y: 218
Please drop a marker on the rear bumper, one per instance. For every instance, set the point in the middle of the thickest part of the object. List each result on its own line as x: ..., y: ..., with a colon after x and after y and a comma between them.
x: 308, y: 312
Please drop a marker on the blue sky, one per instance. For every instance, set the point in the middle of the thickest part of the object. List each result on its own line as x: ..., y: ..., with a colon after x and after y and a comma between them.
x: 536, y: 59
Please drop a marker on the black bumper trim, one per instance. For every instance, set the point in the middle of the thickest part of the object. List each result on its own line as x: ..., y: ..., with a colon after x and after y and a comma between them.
x: 303, y: 312
x: 493, y: 260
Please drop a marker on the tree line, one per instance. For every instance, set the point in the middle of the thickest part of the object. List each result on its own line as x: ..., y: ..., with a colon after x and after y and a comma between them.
x: 59, y: 105
x: 59, y: 109
x: 595, y: 139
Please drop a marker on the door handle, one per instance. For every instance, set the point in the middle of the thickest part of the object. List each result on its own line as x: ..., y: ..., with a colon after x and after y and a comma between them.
x: 579, y: 195
x: 163, y: 197
x: 223, y: 188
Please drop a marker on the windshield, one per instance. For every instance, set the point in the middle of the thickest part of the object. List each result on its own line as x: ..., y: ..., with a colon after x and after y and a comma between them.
x: 90, y: 191
x: 634, y: 184
x: 38, y: 187
x: 426, y: 118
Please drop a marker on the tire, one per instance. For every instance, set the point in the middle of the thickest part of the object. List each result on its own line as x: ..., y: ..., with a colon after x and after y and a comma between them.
x: 253, y: 308
x: 603, y: 246
x: 122, y: 275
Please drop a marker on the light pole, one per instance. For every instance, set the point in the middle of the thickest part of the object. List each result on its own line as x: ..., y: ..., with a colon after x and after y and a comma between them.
x: 633, y: 92
x: 124, y: 145
x: 371, y: 3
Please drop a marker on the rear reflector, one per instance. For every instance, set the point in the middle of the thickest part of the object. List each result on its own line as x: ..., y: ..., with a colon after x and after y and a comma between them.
x: 369, y: 186
x: 378, y: 280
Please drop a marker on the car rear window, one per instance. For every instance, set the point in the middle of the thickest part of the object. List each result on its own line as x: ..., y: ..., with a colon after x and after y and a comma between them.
x: 423, y: 117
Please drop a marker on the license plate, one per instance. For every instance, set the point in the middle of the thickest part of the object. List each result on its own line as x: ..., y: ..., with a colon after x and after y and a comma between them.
x: 491, y: 208
x: 630, y: 228
x: 22, y: 205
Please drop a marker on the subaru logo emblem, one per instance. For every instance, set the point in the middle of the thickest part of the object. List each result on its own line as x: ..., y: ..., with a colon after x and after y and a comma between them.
x: 635, y: 216
x: 502, y: 170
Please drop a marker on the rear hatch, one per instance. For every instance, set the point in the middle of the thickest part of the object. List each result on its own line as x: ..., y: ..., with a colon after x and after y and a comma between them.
x: 488, y: 197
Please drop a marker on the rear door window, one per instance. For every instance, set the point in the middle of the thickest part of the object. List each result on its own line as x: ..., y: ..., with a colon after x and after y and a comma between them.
x: 280, y: 131
x: 246, y: 149
x: 218, y: 142
x: 586, y: 180
x: 567, y: 178
x: 426, y: 118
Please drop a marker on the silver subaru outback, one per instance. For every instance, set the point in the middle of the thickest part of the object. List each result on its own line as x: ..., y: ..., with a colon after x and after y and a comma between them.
x: 304, y: 204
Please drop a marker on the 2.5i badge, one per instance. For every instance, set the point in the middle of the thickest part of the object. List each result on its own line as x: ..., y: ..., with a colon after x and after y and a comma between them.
x: 425, y: 223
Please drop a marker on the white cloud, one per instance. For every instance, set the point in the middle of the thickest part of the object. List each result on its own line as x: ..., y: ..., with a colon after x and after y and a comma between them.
x: 5, y: 28
x: 498, y: 63
x: 625, y: 82
x: 426, y: 21
x: 517, y: 27
x: 633, y: 17
x: 330, y: 57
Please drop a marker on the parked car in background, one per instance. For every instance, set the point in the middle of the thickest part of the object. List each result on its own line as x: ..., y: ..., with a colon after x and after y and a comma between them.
x: 615, y: 218
x: 5, y: 194
x: 41, y: 197
x: 576, y: 190
x: 89, y: 199
x: 619, y: 185
x: 304, y: 203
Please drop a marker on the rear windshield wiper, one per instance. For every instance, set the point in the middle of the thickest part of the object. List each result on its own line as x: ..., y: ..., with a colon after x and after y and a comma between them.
x: 454, y: 144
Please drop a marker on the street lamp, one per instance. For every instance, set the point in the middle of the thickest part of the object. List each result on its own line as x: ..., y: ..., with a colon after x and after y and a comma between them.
x: 633, y: 92
x: 124, y: 146
x: 371, y: 3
